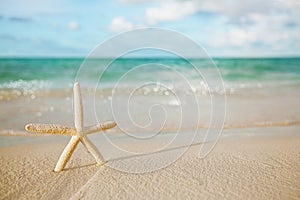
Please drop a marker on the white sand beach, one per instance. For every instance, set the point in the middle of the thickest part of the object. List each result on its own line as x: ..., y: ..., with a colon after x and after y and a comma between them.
x: 257, y: 167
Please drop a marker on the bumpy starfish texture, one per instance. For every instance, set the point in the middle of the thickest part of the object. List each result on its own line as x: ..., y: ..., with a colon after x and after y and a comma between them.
x: 78, y: 133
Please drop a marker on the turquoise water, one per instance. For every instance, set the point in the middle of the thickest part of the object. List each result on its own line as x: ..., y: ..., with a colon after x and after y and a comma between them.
x: 59, y: 73
x: 260, y: 91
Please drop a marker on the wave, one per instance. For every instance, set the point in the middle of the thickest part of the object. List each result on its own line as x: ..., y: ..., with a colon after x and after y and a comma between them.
x: 26, y: 85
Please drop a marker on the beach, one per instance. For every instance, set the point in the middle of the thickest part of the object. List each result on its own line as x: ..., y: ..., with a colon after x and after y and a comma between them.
x: 254, y: 167
x: 164, y: 123
x: 138, y: 99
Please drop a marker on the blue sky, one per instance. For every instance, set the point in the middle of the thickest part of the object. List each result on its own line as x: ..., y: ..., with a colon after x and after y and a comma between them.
x: 230, y: 28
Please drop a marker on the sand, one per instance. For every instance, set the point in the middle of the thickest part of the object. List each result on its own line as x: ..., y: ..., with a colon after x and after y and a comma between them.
x: 257, y: 167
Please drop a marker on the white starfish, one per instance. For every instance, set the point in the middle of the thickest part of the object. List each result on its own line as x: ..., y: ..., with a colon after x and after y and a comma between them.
x: 78, y: 133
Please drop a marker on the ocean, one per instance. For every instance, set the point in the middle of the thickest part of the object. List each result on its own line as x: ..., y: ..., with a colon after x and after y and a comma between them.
x: 151, y: 94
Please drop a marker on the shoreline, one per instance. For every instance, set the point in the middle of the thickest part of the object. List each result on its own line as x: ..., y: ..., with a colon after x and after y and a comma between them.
x: 256, y: 167
x: 12, y: 137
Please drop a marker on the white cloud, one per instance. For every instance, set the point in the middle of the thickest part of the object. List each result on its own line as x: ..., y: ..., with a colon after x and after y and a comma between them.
x: 267, y: 31
x: 170, y: 11
x: 288, y: 3
x: 238, y: 25
x: 73, y: 25
x: 236, y: 8
x: 234, y: 37
x: 119, y: 24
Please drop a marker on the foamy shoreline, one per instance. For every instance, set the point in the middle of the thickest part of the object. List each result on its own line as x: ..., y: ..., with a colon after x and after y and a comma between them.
x: 258, y: 167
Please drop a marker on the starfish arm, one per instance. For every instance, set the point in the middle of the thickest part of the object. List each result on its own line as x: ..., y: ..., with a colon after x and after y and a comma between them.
x: 92, y: 149
x: 78, y: 109
x: 50, y: 129
x: 66, y: 154
x: 100, y: 127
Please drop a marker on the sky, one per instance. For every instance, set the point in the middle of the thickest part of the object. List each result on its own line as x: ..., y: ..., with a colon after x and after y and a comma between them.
x: 224, y: 28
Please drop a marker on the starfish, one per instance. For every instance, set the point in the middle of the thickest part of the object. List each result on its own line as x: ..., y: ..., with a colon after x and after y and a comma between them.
x: 78, y: 133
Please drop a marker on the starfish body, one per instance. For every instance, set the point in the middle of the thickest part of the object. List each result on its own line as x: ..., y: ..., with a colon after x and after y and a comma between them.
x: 78, y: 133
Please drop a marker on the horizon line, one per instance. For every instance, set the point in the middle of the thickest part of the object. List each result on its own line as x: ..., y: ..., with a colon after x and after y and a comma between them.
x: 147, y: 57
